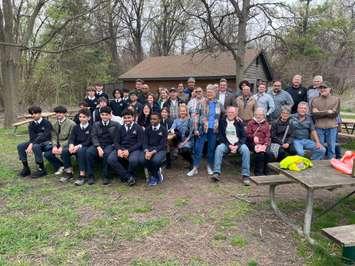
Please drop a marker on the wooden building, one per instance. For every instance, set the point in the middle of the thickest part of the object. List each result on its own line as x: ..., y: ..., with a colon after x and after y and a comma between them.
x: 168, y: 71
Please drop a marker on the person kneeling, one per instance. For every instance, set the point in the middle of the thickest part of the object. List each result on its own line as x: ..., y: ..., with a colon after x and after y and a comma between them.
x: 128, y: 149
x: 39, y: 131
x: 79, y: 142
x: 154, y: 147
x: 232, y: 139
x: 102, y: 137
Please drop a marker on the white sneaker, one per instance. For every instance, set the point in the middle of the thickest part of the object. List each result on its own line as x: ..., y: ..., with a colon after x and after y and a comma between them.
x: 60, y: 171
x: 209, y: 170
x: 193, y: 172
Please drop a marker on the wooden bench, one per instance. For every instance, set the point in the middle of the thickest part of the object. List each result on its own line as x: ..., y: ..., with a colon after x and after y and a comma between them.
x: 17, y: 124
x: 267, y: 180
x: 345, y: 237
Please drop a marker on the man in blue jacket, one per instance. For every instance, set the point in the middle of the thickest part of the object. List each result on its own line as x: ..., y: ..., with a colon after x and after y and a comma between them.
x: 232, y: 139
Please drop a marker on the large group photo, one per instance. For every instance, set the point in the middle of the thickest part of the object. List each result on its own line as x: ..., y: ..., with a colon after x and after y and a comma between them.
x: 218, y: 141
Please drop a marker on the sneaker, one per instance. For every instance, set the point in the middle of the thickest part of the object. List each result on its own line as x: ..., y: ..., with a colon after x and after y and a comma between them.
x: 209, y: 170
x: 106, y: 181
x: 60, y: 171
x: 39, y: 173
x: 131, y: 181
x: 216, y: 177
x: 66, y: 177
x: 246, y: 180
x: 160, y: 176
x: 153, y: 181
x: 193, y: 172
x: 25, y: 172
x: 91, y: 180
x: 80, y: 181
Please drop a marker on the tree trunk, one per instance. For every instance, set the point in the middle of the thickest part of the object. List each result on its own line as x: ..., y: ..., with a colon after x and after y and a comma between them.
x: 9, y: 67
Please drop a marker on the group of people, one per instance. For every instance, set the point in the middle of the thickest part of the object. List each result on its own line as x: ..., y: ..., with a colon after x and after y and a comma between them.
x: 139, y: 129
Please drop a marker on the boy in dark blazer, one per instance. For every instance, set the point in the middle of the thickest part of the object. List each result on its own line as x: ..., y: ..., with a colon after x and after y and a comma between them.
x: 102, y: 137
x: 117, y: 104
x: 99, y: 87
x: 128, y: 149
x: 96, y: 115
x: 79, y: 142
x: 154, y: 148
x: 39, y: 131
x: 91, y: 99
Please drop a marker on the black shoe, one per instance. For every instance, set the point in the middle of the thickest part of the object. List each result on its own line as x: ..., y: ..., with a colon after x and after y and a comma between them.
x: 106, y: 181
x: 25, y: 172
x: 131, y: 181
x: 91, y: 180
x: 39, y: 173
x: 215, y: 177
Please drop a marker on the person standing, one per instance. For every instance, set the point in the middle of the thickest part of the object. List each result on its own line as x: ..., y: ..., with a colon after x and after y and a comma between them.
x: 325, y: 109
x: 297, y: 92
x: 264, y: 100
x: 173, y: 103
x: 188, y: 90
x: 224, y: 96
x: 281, y: 99
x: 99, y: 87
x: 246, y: 103
x: 313, y: 90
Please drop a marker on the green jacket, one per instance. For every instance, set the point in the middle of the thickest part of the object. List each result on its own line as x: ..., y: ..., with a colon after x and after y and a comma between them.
x: 62, y: 137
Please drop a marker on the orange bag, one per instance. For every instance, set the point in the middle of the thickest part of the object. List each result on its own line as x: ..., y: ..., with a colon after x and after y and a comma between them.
x: 345, y: 164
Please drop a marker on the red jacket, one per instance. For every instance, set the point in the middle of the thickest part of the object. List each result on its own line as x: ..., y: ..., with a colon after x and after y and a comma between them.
x: 260, y: 130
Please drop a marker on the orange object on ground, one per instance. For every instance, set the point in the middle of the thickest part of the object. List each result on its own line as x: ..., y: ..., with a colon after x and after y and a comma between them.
x: 345, y: 164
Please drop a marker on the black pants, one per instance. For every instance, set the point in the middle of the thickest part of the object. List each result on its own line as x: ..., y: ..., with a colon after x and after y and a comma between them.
x: 260, y: 163
x: 186, y: 153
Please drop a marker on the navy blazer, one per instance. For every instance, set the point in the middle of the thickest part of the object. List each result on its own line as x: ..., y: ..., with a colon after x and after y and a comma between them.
x: 155, y: 140
x: 131, y: 140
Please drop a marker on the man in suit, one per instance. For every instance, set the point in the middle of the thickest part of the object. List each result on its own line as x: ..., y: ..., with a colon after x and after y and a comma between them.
x: 225, y: 97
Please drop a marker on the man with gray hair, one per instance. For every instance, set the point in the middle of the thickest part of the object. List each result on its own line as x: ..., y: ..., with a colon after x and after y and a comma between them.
x: 281, y: 99
x: 297, y: 92
x: 313, y: 91
x: 304, y: 133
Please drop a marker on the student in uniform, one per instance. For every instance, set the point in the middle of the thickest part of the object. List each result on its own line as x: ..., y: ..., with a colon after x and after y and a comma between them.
x: 82, y: 106
x: 61, y: 131
x: 125, y: 95
x: 117, y: 104
x: 79, y: 142
x: 133, y: 101
x: 166, y: 122
x: 99, y: 87
x: 91, y: 99
x: 128, y: 149
x: 96, y: 116
x: 39, y: 131
x: 102, y: 137
x: 154, y: 148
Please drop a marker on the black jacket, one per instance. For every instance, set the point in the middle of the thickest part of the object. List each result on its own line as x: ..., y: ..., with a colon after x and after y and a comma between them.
x: 131, y: 140
x: 92, y: 104
x: 168, y: 103
x: 155, y: 140
x: 40, y: 133
x: 278, y: 129
x: 239, y: 129
x: 103, y: 94
x: 118, y: 107
x: 79, y: 136
x: 98, y: 132
x: 167, y: 123
x: 298, y: 95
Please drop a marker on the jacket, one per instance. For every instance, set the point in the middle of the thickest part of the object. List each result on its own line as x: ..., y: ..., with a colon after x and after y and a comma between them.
x: 246, y: 107
x: 278, y: 129
x: 97, y: 131
x: 229, y: 99
x: 61, y: 133
x: 260, y: 130
x: 222, y: 138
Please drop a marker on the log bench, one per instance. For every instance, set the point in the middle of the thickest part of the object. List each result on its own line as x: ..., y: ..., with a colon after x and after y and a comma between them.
x: 20, y: 123
x: 345, y: 237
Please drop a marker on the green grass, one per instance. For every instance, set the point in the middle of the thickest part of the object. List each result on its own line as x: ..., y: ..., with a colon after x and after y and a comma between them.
x: 238, y: 241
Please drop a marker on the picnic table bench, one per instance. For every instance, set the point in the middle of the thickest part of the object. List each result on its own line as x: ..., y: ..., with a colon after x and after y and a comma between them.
x: 320, y: 176
x: 344, y: 236
x: 348, y: 125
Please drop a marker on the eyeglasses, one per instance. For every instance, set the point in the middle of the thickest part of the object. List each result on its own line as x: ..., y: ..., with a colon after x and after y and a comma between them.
x: 198, y: 91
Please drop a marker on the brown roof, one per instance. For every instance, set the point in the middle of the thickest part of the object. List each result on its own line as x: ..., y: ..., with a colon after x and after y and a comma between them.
x: 184, y: 66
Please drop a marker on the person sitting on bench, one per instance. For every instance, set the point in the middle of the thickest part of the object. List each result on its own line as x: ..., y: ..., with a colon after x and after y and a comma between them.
x: 39, y: 131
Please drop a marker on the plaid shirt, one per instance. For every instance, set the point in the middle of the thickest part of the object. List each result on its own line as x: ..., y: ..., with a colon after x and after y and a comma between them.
x: 202, y: 114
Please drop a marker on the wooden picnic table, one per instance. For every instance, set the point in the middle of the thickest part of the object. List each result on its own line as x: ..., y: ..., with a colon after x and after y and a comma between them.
x: 348, y: 125
x: 321, y: 176
x: 45, y: 115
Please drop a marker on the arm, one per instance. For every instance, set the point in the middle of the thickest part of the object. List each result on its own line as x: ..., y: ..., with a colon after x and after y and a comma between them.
x: 67, y: 132
x: 315, y: 137
x: 94, y: 135
x: 162, y: 143
x: 241, y: 134
x: 146, y: 139
x: 140, y: 140
x: 271, y: 106
x: 72, y: 136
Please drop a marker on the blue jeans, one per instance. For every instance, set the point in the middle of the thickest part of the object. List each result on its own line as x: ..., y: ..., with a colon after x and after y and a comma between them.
x: 222, y: 149
x: 37, y: 149
x: 301, y: 144
x: 80, y: 157
x: 211, y: 139
x: 155, y: 163
x: 328, y: 136
x: 92, y: 156
x: 135, y: 159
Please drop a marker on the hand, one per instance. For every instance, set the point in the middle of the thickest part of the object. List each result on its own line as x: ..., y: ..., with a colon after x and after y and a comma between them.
x: 59, y: 150
x: 256, y: 140
x: 72, y: 148
x: 196, y: 133
x: 29, y: 149
x: 319, y: 145
x: 120, y: 153
x: 125, y: 153
x: 77, y: 147
x: 100, y: 152
x: 285, y: 145
x: 148, y: 155
x: 55, y: 150
x: 315, y: 110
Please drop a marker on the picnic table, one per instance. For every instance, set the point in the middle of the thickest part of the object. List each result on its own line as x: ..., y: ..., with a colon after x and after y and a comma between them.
x: 348, y: 125
x: 321, y: 176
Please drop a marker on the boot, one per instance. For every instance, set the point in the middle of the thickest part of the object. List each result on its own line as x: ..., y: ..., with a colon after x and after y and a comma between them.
x: 91, y: 180
x: 26, y: 171
x: 40, y: 171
